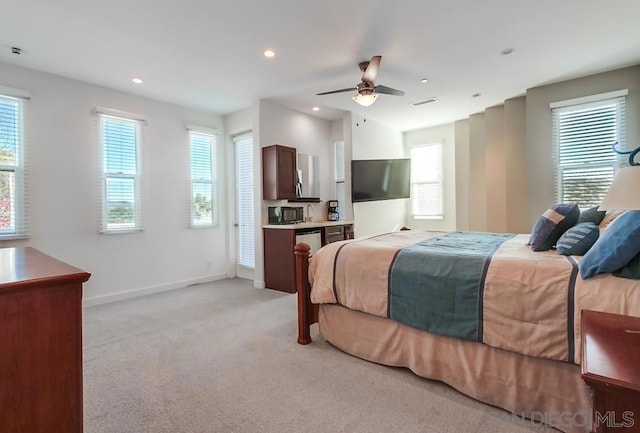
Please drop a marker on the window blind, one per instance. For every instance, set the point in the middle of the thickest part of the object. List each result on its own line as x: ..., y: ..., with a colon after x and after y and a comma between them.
x: 426, y: 181
x: 204, y: 203
x: 244, y: 195
x: 121, y: 204
x: 585, y: 163
x: 13, y: 202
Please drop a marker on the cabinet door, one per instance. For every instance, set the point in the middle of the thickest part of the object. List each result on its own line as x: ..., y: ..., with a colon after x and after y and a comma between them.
x: 286, y: 172
x: 278, y: 172
x: 279, y: 261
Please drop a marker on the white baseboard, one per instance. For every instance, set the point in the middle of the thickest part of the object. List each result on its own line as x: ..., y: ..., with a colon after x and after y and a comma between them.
x: 259, y: 284
x: 121, y: 296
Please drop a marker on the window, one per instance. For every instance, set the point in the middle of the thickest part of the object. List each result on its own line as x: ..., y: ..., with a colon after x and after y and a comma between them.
x: 204, y: 209
x: 426, y: 181
x: 339, y: 177
x: 121, y: 204
x: 244, y: 196
x: 584, y: 131
x: 13, y: 221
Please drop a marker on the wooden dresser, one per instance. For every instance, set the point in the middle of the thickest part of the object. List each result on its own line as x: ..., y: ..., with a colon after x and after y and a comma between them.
x: 40, y: 343
x: 611, y: 367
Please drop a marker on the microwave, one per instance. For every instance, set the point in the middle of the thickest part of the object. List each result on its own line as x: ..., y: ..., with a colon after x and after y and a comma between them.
x: 285, y: 214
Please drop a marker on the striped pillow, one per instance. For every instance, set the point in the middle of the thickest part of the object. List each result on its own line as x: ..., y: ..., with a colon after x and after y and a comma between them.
x: 578, y: 239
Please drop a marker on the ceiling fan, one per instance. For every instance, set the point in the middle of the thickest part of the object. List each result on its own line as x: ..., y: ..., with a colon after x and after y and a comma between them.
x: 367, y: 90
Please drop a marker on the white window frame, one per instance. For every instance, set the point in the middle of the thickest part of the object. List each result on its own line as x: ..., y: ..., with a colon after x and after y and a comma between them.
x: 209, y: 179
x: 103, y: 115
x: 437, y: 181
x: 19, y: 228
x: 611, y: 104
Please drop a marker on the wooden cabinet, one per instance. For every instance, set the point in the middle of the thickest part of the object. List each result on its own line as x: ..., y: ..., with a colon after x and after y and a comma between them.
x: 610, y: 355
x: 40, y: 343
x: 278, y: 172
x: 279, y: 260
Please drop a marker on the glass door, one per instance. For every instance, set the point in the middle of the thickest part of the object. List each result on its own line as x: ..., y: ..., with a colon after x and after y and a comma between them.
x: 245, y: 245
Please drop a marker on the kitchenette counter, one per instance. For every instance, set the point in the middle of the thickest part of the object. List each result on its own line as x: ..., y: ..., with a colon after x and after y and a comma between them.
x: 308, y: 225
x: 280, y: 239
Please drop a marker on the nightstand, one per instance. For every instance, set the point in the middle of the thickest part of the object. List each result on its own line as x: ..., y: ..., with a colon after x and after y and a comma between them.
x: 611, y: 367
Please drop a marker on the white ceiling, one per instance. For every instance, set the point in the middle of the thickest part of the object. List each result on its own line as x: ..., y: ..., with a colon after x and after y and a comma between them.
x: 208, y: 54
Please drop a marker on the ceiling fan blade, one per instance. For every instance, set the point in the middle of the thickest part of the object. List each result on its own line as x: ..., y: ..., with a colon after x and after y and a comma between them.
x: 349, y: 89
x: 371, y: 72
x: 388, y: 91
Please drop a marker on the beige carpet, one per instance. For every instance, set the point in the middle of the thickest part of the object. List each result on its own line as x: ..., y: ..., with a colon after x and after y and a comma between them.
x: 222, y: 357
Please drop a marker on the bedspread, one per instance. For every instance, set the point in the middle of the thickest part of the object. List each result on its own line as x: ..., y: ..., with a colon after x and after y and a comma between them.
x: 528, y: 302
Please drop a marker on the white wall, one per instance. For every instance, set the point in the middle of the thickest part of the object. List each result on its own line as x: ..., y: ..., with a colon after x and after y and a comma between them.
x: 446, y: 135
x: 477, y: 174
x: 461, y: 167
x: 372, y: 140
x: 64, y: 184
x: 341, y: 130
x: 516, y: 165
x: 539, y: 132
x: 309, y: 135
x: 495, y: 169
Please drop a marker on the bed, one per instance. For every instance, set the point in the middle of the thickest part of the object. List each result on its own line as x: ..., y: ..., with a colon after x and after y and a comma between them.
x: 502, y: 322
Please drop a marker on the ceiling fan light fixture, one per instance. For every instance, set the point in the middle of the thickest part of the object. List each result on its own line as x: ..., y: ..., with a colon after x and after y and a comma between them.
x: 365, y: 100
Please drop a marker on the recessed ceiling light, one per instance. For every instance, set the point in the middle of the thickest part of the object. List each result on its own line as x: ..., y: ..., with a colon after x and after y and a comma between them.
x: 136, y: 80
x: 424, y: 80
x: 316, y: 108
x: 506, y: 51
x: 475, y: 95
x: 269, y: 53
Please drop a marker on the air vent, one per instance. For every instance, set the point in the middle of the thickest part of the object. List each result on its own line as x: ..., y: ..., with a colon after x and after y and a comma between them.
x: 424, y: 101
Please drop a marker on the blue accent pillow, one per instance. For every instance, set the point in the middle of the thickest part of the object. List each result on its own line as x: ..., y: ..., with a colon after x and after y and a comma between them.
x: 615, y: 249
x: 592, y: 215
x: 552, y: 224
x: 578, y: 239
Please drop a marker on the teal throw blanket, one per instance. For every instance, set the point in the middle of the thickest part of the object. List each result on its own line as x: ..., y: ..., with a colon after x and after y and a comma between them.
x: 437, y: 285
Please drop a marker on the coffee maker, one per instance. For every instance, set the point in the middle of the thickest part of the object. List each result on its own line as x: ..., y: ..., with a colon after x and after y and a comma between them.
x: 333, y: 214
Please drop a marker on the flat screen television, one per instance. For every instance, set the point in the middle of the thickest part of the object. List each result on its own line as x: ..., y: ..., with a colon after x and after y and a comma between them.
x: 380, y: 179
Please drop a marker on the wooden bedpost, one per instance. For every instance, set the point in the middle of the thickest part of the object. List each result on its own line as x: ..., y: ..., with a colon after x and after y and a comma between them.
x: 307, y: 312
